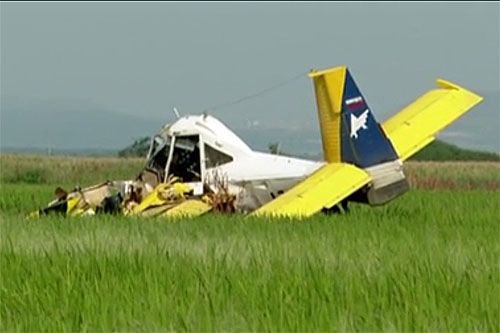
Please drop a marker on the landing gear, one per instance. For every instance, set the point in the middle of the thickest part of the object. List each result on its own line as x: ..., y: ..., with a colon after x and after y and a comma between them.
x: 341, y: 208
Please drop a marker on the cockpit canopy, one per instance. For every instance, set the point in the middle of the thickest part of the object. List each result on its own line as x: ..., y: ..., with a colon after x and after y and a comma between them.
x: 189, y: 148
x: 183, y: 156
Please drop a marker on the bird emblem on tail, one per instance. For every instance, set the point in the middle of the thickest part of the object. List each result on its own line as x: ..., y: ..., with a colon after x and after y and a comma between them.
x: 358, y: 123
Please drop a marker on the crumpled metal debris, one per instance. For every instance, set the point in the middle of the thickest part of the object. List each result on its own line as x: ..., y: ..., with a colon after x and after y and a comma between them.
x: 136, y: 198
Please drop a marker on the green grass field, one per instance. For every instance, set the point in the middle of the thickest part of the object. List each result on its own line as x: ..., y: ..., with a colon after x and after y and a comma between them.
x: 428, y: 261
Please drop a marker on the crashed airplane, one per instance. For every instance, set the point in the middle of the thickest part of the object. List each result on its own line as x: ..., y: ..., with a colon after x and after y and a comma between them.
x: 197, y: 165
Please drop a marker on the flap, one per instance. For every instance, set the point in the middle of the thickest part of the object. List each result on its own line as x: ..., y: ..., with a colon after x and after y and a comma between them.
x: 416, y: 125
x: 324, y: 188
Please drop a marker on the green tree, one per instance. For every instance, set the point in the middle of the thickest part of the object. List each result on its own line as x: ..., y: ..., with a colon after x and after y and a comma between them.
x: 274, y: 148
x: 139, y: 148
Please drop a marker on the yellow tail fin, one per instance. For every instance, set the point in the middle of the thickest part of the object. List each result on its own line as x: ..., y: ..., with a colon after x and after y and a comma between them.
x: 329, y: 87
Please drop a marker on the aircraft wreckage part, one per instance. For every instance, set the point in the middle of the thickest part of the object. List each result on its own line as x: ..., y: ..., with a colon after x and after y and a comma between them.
x: 168, y: 199
x: 164, y: 194
x: 363, y: 160
x: 189, y: 208
x: 416, y: 125
x: 323, y: 189
x: 79, y: 202
x: 388, y: 182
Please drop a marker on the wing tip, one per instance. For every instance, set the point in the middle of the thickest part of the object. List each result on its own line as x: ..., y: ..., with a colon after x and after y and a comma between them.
x: 315, y: 73
x: 445, y: 84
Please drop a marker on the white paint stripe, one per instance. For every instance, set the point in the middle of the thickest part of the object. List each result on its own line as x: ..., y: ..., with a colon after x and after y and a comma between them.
x: 354, y: 100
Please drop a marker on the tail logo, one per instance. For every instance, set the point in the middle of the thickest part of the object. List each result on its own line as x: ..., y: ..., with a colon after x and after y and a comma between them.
x: 358, y: 123
x: 355, y: 103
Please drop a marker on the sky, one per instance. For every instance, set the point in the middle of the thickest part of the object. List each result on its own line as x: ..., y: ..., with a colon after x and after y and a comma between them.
x: 142, y: 59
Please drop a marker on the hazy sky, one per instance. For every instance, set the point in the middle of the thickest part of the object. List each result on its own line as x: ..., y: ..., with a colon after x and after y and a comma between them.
x: 145, y: 58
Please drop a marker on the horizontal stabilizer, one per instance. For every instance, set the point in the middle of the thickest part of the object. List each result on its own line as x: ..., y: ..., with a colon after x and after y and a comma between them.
x: 323, y: 189
x: 417, y: 124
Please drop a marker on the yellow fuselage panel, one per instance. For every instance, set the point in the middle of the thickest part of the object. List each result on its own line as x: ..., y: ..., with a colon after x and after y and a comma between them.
x: 189, y: 208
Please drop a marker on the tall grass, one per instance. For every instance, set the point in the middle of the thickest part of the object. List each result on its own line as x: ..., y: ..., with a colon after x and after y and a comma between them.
x: 427, y: 262
x: 454, y: 175
x: 66, y: 170
x: 84, y: 171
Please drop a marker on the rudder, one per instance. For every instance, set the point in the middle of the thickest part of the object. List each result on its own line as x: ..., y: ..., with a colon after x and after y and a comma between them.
x: 349, y: 130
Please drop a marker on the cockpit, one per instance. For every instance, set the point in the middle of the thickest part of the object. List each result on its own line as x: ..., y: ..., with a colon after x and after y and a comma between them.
x: 178, y: 156
x: 183, y: 156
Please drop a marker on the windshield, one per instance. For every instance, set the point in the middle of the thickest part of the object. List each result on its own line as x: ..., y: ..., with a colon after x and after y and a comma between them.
x: 158, y: 155
x: 157, y: 142
x: 185, y: 162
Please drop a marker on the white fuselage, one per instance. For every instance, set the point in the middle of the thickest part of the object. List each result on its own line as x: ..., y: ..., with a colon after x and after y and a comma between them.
x: 258, y: 178
x: 254, y: 177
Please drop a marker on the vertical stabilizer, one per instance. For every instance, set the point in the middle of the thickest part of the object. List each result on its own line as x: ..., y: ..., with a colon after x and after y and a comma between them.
x: 329, y: 88
x: 349, y: 130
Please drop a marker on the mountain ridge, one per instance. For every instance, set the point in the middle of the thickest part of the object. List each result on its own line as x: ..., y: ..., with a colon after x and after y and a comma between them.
x: 79, y: 125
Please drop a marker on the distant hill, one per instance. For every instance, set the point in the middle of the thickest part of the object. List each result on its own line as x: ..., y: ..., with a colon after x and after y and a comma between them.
x: 436, y: 151
x: 443, y: 151
x: 79, y: 127
x: 49, y: 151
x: 64, y: 127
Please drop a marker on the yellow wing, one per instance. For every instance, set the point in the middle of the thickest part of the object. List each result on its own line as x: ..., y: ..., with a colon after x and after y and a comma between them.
x: 324, y: 188
x: 416, y: 125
